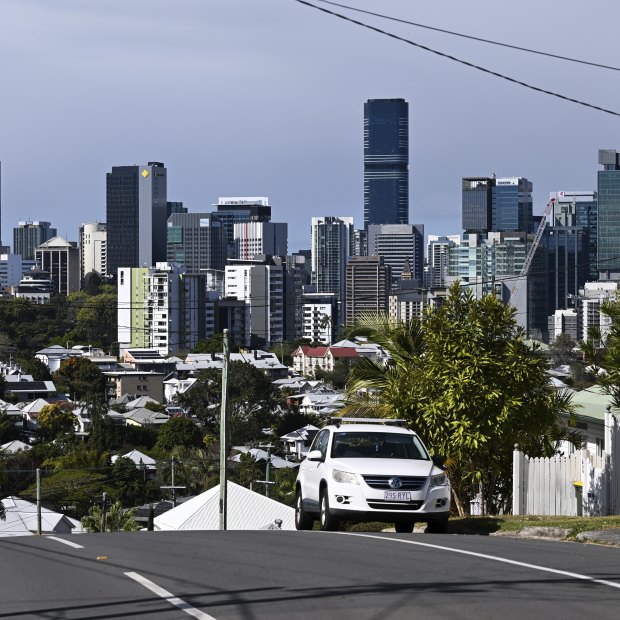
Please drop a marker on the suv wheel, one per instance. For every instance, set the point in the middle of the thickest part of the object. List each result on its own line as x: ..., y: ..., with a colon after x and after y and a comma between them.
x: 329, y: 523
x: 303, y: 521
x: 404, y: 527
x: 440, y: 526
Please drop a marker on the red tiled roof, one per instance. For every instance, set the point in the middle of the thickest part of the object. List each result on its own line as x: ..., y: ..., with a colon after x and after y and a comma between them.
x: 315, y: 351
x: 343, y: 352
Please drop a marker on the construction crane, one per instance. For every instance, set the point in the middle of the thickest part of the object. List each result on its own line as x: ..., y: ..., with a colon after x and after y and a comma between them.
x: 530, y: 255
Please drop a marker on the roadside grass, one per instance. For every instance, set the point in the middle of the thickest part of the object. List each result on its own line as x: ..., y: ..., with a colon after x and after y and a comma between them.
x: 483, y: 526
x: 513, y: 524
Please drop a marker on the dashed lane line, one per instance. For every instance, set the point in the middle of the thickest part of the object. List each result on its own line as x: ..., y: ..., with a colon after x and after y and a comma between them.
x: 65, y: 542
x: 168, y: 596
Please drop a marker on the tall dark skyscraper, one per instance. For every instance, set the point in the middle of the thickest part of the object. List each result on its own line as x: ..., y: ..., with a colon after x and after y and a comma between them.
x: 609, y: 215
x: 477, y: 204
x: 386, y: 161
x: 136, y: 213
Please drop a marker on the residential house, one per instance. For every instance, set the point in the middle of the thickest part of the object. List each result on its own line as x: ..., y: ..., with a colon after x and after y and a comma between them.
x: 298, y: 442
x: 21, y: 519
x: 145, y: 417
x: 247, y: 510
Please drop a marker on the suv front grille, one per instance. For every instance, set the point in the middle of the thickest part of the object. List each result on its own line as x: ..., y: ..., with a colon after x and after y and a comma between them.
x: 378, y: 504
x: 409, y: 483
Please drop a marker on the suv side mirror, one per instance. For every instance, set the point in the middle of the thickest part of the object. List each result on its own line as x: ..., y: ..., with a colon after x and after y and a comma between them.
x: 315, y: 455
x: 439, y: 461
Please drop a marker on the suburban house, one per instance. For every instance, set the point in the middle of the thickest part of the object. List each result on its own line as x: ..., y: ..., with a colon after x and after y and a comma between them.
x: 144, y: 417
x: 247, y: 510
x: 265, y: 361
x: 298, y: 442
x: 21, y: 519
x: 24, y: 388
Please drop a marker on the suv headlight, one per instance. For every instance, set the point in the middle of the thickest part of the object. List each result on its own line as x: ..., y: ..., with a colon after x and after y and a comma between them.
x: 344, y: 477
x: 439, y: 480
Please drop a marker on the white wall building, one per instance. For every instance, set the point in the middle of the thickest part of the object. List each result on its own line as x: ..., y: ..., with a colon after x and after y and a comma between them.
x: 93, y: 248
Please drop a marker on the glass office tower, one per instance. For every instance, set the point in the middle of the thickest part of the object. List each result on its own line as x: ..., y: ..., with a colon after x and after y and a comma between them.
x: 511, y: 209
x: 386, y: 161
x: 609, y: 215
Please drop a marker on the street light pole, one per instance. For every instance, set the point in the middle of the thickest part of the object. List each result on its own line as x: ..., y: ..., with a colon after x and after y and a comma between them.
x: 224, y: 434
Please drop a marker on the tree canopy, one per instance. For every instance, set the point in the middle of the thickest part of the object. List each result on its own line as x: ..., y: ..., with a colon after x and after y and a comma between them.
x: 469, y: 386
x: 80, y: 378
x: 179, y: 431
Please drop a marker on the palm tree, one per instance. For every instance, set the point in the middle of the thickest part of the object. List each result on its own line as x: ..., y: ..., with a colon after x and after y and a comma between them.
x: 118, y: 519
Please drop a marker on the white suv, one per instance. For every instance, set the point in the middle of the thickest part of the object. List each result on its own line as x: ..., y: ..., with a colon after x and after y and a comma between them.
x: 371, y: 470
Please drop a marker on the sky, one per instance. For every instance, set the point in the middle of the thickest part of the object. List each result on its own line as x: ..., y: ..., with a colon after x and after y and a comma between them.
x: 265, y: 98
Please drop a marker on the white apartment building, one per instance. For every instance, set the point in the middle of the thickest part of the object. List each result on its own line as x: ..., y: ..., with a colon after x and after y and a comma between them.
x: 93, y: 248
x: 319, y: 314
x: 259, y: 283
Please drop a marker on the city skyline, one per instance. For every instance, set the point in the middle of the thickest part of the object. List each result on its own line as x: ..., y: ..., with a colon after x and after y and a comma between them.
x: 85, y: 78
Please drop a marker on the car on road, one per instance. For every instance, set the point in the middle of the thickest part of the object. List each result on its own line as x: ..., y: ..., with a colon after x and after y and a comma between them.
x: 361, y: 469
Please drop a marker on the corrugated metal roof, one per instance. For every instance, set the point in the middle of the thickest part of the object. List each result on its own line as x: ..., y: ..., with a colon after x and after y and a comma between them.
x: 247, y: 510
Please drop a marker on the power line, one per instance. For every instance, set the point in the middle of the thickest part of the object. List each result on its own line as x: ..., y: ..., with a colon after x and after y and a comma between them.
x: 473, y: 38
x: 460, y: 60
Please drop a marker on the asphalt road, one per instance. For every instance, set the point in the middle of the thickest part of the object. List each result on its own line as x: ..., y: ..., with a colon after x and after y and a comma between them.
x: 299, y: 575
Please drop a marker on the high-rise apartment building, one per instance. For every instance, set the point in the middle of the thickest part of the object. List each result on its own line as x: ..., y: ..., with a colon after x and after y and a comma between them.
x: 238, y: 209
x: 319, y: 317
x: 253, y: 238
x: 93, y: 248
x: 196, y: 241
x: 260, y: 284
x: 368, y: 286
x: 163, y: 308
x: 477, y: 204
x: 331, y: 249
x: 511, y: 209
x: 61, y: 259
x: 386, y: 161
x: 609, y: 215
x: 28, y: 236
x: 437, y: 259
x: 398, y: 244
x: 136, y: 213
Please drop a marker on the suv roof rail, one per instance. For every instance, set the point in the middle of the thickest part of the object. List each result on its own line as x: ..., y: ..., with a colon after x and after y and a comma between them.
x: 337, y: 421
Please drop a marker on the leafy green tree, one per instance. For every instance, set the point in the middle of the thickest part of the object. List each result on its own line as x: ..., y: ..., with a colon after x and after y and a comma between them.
x: 80, y: 378
x: 252, y: 401
x: 292, y: 420
x: 337, y: 378
x: 215, y: 344
x: 179, y: 431
x: 35, y: 367
x: 8, y: 430
x: 561, y: 350
x: 195, y: 469
x: 247, y: 471
x: 469, y: 386
x: 54, y: 421
x: 604, y: 353
x: 118, y: 519
x: 66, y: 489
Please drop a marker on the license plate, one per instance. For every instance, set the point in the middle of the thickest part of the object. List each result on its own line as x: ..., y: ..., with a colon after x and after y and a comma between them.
x: 397, y: 496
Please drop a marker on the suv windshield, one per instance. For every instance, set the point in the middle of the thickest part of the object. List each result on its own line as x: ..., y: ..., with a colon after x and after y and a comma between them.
x: 363, y: 445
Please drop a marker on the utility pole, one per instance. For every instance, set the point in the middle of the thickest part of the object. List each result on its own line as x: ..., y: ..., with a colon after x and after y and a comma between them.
x: 223, y: 434
x: 104, y: 512
x: 174, y: 491
x: 38, y: 501
x: 267, y: 482
x: 173, y: 486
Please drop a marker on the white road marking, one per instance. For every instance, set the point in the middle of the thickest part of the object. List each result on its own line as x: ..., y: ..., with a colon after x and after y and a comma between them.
x: 66, y: 542
x: 494, y: 558
x: 168, y: 596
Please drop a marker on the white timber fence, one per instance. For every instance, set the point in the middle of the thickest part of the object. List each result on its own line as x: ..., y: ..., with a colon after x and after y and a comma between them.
x: 580, y: 484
